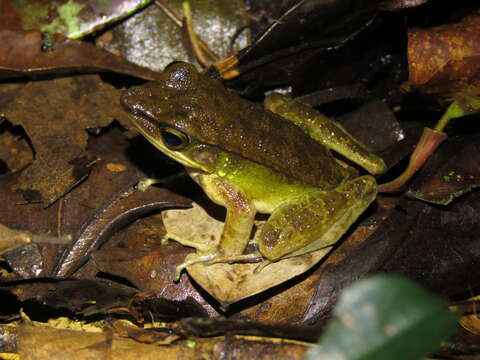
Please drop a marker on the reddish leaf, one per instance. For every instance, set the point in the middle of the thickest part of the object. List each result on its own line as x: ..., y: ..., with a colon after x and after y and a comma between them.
x: 446, y: 59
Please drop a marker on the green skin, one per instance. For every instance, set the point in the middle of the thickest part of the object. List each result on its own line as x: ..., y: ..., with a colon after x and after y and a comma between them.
x: 248, y: 159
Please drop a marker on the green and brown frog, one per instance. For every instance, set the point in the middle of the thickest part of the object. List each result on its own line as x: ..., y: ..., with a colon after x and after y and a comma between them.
x: 274, y: 160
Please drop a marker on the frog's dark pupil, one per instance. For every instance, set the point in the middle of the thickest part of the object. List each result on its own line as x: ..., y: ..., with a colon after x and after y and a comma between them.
x: 172, y: 140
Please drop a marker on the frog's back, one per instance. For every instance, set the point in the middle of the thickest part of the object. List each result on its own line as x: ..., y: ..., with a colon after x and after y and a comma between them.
x: 267, y: 138
x: 204, y: 109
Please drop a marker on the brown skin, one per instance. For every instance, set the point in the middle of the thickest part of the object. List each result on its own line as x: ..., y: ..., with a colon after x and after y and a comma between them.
x: 201, y: 107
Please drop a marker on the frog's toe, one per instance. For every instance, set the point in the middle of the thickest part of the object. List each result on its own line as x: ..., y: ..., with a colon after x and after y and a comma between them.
x: 193, y: 260
x: 199, y: 246
x: 215, y: 258
x: 145, y: 183
x: 262, y: 266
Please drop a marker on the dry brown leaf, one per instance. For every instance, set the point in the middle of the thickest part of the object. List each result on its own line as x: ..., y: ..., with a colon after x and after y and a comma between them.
x: 446, y: 59
x: 229, y: 283
x: 471, y: 323
x: 48, y: 343
x: 55, y: 115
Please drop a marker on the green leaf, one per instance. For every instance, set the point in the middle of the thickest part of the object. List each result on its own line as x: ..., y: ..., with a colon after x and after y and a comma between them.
x: 73, y: 18
x: 384, y: 317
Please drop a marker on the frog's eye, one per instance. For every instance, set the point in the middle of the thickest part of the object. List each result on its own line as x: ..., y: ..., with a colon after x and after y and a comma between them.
x: 174, y: 139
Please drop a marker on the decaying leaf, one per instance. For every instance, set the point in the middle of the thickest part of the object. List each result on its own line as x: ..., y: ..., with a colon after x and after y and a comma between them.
x: 439, y: 245
x: 431, y: 244
x: 85, y: 297
x: 153, y: 40
x: 229, y: 283
x: 445, y: 59
x: 43, y: 342
x: 119, y: 212
x: 71, y: 18
x: 21, y: 54
x: 49, y: 113
x: 151, y: 272
x: 69, y: 215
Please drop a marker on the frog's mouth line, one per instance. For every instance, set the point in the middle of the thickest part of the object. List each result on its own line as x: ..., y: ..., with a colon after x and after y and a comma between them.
x: 151, y: 131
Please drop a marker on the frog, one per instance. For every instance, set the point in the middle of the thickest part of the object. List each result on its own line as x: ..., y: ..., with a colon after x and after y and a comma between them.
x: 274, y: 159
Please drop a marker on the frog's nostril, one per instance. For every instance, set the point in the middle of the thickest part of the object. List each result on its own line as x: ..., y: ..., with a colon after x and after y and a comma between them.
x: 125, y: 99
x: 133, y: 109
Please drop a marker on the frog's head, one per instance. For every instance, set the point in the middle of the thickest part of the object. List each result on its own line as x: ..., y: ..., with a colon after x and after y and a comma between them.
x: 171, y: 112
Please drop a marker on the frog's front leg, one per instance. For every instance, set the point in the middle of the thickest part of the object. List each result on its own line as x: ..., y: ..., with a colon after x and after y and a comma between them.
x: 240, y: 214
x: 236, y: 231
x: 315, y: 220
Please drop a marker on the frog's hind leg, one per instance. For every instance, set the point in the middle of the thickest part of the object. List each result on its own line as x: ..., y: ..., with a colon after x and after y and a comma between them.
x: 315, y: 220
x: 207, y: 254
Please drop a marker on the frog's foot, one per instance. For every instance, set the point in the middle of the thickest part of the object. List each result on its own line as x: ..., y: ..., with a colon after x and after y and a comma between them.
x: 216, y: 258
x: 145, y: 183
x: 262, y: 266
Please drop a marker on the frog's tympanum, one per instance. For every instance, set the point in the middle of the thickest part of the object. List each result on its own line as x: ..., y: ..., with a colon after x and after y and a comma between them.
x: 250, y: 159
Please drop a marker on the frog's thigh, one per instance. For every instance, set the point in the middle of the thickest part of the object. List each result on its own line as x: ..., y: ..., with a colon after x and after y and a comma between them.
x: 240, y: 215
x: 315, y: 220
